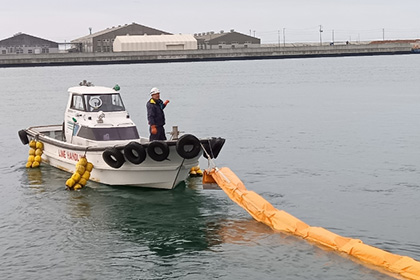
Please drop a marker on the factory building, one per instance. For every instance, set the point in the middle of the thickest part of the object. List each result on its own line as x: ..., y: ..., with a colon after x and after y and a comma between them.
x: 103, y: 41
x: 22, y: 43
x: 155, y: 43
x: 226, y: 40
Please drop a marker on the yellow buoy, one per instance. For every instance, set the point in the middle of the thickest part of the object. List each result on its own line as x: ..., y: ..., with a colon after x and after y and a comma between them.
x: 39, y: 145
x: 83, y: 161
x: 38, y: 152
x: 86, y: 175
x: 31, y: 158
x: 37, y: 159
x: 70, y: 182
x: 80, y: 169
x: 81, y: 175
x: 29, y: 164
x: 32, y: 151
x: 35, y: 164
x: 32, y: 144
x: 82, y: 182
x: 89, y: 166
x: 199, y: 172
x: 76, y: 177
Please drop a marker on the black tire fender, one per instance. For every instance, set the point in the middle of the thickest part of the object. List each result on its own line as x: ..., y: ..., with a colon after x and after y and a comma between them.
x: 113, y: 157
x: 183, y: 144
x: 135, y: 153
x: 158, y: 150
x: 23, y: 136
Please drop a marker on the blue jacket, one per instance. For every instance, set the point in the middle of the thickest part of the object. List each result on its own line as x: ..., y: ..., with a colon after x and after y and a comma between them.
x: 155, y: 114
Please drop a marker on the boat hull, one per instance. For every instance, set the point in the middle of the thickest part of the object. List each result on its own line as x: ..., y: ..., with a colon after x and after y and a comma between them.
x: 166, y: 174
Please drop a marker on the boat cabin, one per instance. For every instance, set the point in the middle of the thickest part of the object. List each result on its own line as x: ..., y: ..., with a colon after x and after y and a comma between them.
x: 97, y: 115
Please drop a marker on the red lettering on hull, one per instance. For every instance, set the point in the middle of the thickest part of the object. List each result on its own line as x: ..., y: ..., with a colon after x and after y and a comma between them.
x: 69, y: 155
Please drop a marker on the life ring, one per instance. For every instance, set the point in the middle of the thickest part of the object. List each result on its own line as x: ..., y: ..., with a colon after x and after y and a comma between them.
x: 23, y: 136
x: 113, y: 157
x: 135, y: 153
x: 188, y: 146
x: 158, y: 150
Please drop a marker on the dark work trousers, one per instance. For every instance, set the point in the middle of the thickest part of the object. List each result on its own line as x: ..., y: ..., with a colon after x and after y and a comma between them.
x: 160, y: 135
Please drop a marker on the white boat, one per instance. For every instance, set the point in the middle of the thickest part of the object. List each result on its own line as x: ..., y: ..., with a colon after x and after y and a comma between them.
x: 97, y: 125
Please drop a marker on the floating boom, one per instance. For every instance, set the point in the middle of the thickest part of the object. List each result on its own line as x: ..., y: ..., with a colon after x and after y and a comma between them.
x: 262, y: 211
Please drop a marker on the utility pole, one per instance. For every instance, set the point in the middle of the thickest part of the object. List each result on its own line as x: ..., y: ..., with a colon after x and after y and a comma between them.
x: 383, y: 34
x: 278, y: 33
x: 284, y: 37
x: 333, y: 36
x: 320, y: 34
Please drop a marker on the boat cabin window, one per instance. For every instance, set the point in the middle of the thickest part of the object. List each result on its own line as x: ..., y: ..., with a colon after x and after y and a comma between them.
x: 77, y: 102
x: 109, y: 133
x: 104, y: 102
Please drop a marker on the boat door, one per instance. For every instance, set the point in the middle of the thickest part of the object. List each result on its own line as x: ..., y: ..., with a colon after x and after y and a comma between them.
x: 74, y: 113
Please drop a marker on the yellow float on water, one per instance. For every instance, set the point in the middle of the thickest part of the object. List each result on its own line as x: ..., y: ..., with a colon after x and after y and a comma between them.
x: 70, y: 182
x: 89, y: 166
x: 35, y: 153
x: 80, y: 169
x: 39, y: 145
x: 76, y: 176
x: 81, y: 174
x: 32, y: 144
x: 86, y: 175
x: 196, y: 171
x: 264, y: 212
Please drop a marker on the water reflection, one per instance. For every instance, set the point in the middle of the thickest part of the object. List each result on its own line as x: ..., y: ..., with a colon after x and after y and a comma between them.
x: 34, y: 177
x: 167, y: 222
x: 79, y: 204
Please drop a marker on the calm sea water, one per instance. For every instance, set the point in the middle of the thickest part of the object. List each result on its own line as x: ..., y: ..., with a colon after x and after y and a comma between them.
x: 333, y: 141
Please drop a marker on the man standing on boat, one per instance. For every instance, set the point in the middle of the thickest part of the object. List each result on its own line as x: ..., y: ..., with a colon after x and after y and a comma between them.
x: 156, y: 116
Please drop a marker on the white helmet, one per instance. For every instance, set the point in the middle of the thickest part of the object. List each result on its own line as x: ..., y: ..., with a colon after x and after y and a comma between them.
x: 154, y: 91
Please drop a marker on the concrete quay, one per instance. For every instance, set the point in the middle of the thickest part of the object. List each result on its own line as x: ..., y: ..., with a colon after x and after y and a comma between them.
x: 278, y: 52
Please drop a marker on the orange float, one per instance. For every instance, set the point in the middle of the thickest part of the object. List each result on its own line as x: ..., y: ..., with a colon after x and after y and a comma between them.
x: 262, y: 211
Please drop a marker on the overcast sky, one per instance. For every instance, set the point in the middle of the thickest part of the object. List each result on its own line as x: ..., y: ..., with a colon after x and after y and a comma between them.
x: 271, y: 20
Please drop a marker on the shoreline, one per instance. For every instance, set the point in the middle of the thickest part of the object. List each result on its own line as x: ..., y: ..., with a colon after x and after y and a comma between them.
x: 279, y: 52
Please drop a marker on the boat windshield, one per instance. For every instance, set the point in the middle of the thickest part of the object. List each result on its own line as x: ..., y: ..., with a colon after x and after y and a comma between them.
x: 103, y: 102
x: 109, y: 133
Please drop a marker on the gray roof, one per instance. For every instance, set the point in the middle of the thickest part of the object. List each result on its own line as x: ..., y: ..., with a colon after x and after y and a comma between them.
x: 114, y: 28
x: 212, y: 37
x: 21, y: 39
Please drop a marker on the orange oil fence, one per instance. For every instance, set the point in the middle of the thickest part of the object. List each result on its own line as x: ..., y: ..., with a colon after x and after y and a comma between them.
x: 262, y: 211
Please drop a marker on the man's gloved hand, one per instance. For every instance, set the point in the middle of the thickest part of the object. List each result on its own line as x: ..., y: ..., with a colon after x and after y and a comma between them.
x: 166, y: 102
x: 153, y: 129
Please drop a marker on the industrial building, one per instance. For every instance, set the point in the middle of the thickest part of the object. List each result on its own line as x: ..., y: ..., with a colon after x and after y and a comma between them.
x: 155, y: 43
x: 226, y: 40
x: 22, y: 43
x: 103, y: 41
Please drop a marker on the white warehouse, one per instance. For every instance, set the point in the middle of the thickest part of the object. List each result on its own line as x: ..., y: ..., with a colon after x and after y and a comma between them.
x: 154, y: 43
